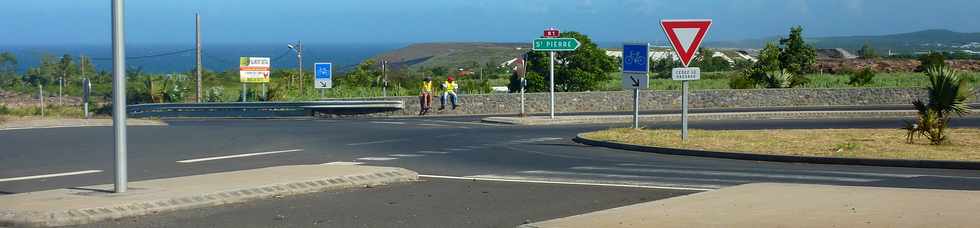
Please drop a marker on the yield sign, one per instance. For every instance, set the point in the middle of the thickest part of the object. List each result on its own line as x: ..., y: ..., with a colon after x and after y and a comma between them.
x: 686, y: 36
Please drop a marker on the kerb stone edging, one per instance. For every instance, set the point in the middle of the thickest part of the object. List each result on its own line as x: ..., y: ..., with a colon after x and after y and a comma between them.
x: 934, y: 164
x: 77, y: 216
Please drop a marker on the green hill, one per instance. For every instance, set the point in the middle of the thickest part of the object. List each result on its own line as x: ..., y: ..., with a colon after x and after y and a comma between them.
x: 921, y: 41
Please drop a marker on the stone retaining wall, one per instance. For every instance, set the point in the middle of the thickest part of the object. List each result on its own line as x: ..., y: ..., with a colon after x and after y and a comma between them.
x: 659, y: 100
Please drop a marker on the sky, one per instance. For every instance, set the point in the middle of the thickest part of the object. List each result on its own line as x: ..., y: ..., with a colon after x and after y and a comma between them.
x: 58, y: 22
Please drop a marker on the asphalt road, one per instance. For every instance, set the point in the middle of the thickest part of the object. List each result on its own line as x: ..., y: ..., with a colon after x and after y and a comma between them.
x: 430, y: 203
x: 437, y: 147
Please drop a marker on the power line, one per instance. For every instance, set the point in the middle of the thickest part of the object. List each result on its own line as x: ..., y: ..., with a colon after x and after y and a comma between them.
x: 149, y: 56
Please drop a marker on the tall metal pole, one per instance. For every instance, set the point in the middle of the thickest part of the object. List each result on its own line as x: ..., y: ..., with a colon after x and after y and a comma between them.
x: 40, y: 94
x: 523, y: 82
x: 552, y: 75
x: 244, y: 92
x: 197, y: 28
x: 384, y: 78
x: 684, y: 113
x: 61, y: 96
x: 299, y: 56
x: 119, y: 93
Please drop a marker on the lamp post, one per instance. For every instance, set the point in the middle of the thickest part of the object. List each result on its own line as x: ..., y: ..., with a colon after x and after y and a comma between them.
x: 298, y: 47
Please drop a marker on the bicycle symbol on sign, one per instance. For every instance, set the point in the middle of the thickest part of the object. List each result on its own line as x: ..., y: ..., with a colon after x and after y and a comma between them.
x: 634, y: 58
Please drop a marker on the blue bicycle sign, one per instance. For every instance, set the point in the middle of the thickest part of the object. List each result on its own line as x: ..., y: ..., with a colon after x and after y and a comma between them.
x: 635, y: 58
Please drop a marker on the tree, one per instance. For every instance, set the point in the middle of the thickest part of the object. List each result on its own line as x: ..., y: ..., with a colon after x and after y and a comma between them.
x: 797, y: 56
x: 581, y: 70
x: 66, y: 69
x: 362, y: 76
x: 662, y: 68
x: 769, y: 57
x: 931, y: 60
x: 947, y: 94
x: 8, y: 69
x: 439, y: 71
x: 535, y: 83
x: 710, y: 63
x: 867, y: 52
x: 862, y: 77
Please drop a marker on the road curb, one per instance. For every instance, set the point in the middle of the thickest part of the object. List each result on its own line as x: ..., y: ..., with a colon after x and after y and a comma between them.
x: 610, y: 119
x: 932, y: 164
x: 142, y: 205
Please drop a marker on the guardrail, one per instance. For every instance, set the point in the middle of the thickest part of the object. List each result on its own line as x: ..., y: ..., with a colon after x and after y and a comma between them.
x: 263, y: 109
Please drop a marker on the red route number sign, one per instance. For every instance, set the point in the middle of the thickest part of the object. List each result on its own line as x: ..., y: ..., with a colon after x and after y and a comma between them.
x: 686, y: 36
x: 552, y: 33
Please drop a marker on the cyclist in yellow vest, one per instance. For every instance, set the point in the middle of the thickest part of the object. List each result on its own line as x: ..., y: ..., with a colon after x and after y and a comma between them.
x: 425, y: 96
x: 449, y: 90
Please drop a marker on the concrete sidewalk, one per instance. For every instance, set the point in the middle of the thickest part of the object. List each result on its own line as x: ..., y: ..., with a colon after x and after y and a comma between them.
x: 608, y: 119
x: 94, y: 203
x: 792, y: 205
x: 19, y: 123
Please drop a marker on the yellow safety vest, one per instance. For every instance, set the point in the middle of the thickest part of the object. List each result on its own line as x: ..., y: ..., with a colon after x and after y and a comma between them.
x: 427, y: 87
x: 450, y: 86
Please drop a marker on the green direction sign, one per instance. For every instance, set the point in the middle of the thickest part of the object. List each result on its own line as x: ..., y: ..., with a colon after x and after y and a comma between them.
x: 556, y: 44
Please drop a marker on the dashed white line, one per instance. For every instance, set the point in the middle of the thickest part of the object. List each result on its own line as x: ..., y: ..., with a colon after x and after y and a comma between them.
x: 50, y: 175
x: 433, y: 125
x: 377, y: 142
x: 387, y: 122
x: 376, y: 159
x: 457, y: 149
x: 561, y: 182
x: 432, y: 152
x: 237, y: 156
x: 343, y: 163
x: 406, y: 155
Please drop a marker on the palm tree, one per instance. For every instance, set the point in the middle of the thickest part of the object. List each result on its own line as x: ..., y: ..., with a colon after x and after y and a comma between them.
x: 947, y: 96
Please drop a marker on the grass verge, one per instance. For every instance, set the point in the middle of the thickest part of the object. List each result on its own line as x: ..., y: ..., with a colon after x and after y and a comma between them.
x: 849, y: 143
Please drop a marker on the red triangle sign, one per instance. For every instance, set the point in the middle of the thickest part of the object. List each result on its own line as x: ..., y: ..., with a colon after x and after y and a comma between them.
x: 686, y: 36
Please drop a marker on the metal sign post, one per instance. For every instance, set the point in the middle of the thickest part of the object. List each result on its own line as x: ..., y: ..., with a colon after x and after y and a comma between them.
x: 86, y: 90
x: 551, y: 44
x: 636, y: 65
x: 685, y: 36
x: 119, y: 94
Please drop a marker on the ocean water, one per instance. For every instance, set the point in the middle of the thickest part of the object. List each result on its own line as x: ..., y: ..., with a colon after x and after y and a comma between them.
x: 173, y: 58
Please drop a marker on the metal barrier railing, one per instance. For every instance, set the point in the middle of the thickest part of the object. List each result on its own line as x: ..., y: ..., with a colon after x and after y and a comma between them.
x: 260, y: 109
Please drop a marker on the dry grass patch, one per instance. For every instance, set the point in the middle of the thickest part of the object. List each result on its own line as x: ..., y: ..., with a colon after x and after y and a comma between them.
x: 855, y: 143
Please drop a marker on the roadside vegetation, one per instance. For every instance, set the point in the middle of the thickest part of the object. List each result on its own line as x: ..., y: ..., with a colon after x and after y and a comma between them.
x: 947, y: 97
x: 849, y: 143
x: 788, y: 63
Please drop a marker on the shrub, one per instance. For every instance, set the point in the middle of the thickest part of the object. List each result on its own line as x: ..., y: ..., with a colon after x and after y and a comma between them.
x: 740, y: 82
x: 947, y: 96
x: 929, y: 61
x: 862, y: 78
x: 214, y: 94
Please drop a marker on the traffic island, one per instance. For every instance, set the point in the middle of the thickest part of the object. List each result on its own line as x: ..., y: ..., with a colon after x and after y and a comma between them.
x: 876, y: 147
x: 791, y: 205
x: 89, y: 204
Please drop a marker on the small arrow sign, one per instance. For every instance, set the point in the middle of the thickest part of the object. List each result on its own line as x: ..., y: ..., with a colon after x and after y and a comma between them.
x: 636, y: 82
x: 686, y: 36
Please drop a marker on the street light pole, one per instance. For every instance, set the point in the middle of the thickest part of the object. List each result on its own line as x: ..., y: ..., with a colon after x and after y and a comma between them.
x: 119, y: 93
x: 298, y: 47
x: 197, y: 26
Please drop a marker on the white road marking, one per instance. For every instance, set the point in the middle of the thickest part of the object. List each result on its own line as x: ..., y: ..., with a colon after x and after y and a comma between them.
x: 536, y: 140
x: 433, y: 125
x: 627, y: 176
x: 376, y: 159
x: 433, y: 152
x: 463, y: 122
x: 387, y: 122
x: 50, y: 175
x: 785, y: 170
x: 406, y: 155
x: 723, y: 173
x: 457, y: 149
x: 237, y: 156
x: 483, y: 178
x: 342, y: 163
x: 377, y: 142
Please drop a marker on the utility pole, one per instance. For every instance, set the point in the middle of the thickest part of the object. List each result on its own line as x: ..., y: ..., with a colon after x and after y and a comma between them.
x: 197, y: 29
x: 384, y: 78
x: 119, y: 93
x: 298, y: 47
